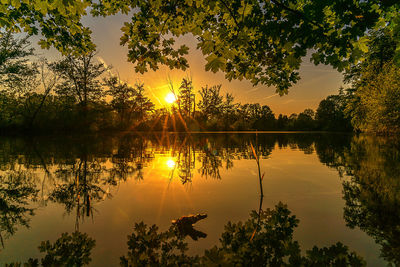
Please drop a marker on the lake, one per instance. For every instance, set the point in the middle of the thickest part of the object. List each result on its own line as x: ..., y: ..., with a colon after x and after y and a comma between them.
x: 342, y: 188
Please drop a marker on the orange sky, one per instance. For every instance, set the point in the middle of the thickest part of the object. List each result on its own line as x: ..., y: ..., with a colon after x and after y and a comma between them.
x: 316, y: 82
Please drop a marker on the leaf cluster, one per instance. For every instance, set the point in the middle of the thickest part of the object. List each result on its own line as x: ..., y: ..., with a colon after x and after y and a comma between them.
x: 262, y: 41
x: 58, y: 21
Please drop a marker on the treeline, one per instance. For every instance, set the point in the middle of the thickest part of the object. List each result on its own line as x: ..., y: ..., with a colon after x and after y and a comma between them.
x: 216, y: 112
x: 79, y: 94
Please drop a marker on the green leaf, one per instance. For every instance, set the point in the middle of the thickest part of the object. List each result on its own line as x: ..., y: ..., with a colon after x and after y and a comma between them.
x: 362, y: 44
x: 215, y: 63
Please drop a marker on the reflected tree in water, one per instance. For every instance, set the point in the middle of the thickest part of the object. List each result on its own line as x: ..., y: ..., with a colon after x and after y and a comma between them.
x: 17, y: 189
x: 333, y: 152
x: 129, y: 158
x: 71, y: 163
x: 148, y: 247
x: 80, y: 187
x: 186, y: 162
x: 372, y: 193
x: 69, y: 250
x: 272, y: 245
x: 369, y: 167
x: 211, y: 161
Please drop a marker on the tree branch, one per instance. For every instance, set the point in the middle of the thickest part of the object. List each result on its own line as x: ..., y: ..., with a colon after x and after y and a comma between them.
x: 296, y: 12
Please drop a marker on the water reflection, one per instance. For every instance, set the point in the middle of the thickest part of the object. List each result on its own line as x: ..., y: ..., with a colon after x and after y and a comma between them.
x: 68, y: 250
x: 272, y: 245
x: 371, y: 191
x: 184, y: 226
x: 78, y: 173
x: 79, y: 185
x: 17, y: 188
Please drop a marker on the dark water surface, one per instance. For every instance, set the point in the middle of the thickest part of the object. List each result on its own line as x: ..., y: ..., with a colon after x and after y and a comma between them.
x: 341, y: 187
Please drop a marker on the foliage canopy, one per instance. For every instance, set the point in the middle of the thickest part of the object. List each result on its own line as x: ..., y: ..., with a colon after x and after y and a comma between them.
x: 262, y: 41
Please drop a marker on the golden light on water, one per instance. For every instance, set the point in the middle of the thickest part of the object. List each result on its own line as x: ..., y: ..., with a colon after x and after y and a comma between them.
x: 170, y: 163
x: 170, y: 98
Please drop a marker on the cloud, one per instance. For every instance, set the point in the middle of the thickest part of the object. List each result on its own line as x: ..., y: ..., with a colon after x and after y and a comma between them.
x: 288, y: 101
x: 254, y: 89
x: 102, y: 61
x: 271, y: 96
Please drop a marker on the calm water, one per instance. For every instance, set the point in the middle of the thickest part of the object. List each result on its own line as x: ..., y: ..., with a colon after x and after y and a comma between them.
x: 341, y: 187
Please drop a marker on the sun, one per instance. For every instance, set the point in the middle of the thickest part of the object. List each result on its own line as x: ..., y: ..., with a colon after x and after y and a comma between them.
x: 170, y: 98
x: 170, y: 164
